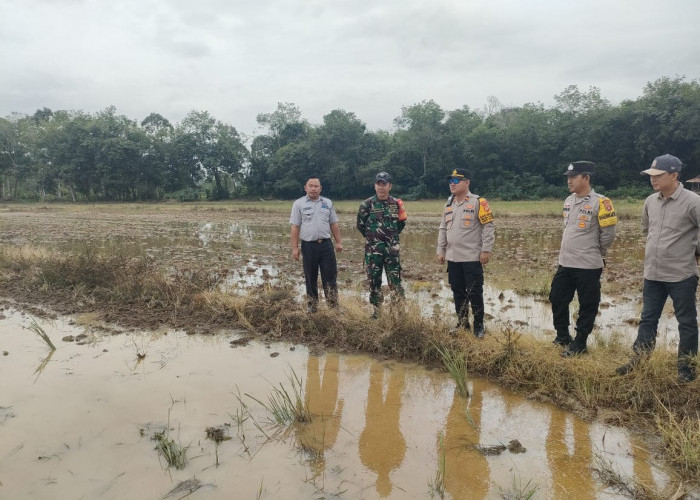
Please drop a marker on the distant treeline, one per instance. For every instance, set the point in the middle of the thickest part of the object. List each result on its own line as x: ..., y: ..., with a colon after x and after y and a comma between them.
x: 512, y: 152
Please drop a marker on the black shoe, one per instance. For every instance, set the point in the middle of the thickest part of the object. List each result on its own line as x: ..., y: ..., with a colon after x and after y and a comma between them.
x: 573, y: 349
x: 685, y: 377
x: 479, y: 332
x: 562, y: 341
x: 311, y: 308
x: 375, y: 313
x: 626, y: 368
x: 629, y: 366
x: 463, y: 324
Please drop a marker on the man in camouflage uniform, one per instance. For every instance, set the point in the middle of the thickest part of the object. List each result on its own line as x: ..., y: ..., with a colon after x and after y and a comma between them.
x: 381, y: 219
x: 589, y: 230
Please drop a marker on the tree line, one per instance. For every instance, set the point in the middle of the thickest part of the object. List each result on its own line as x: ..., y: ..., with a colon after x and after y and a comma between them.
x: 512, y: 152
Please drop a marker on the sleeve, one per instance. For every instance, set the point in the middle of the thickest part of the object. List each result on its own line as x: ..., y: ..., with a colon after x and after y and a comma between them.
x: 607, y: 224
x: 295, y: 217
x: 488, y: 227
x: 333, y: 217
x: 362, y: 218
x: 697, y: 224
x: 442, y: 236
x: 645, y: 217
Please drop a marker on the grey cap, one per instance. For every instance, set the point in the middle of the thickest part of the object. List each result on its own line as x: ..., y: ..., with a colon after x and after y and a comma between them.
x: 382, y: 177
x: 665, y: 163
x: 580, y: 167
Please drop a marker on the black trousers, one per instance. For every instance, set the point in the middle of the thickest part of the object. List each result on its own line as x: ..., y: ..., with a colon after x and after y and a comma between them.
x: 586, y: 284
x: 321, y: 256
x: 467, y: 283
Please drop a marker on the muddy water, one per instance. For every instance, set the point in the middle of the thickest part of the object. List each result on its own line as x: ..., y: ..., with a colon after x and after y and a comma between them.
x: 78, y: 424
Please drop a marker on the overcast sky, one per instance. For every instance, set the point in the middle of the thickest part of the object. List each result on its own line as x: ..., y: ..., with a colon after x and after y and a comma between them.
x: 236, y: 58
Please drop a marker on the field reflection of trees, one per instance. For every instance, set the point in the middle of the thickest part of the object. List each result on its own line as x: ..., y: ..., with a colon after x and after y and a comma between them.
x: 514, y: 152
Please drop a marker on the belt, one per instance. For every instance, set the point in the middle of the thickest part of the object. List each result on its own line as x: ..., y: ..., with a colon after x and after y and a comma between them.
x: 322, y: 240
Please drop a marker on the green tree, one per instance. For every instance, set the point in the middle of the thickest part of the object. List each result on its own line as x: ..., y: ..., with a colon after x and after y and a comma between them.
x: 212, y: 150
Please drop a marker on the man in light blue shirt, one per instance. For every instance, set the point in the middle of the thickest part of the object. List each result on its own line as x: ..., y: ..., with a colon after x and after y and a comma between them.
x: 313, y: 220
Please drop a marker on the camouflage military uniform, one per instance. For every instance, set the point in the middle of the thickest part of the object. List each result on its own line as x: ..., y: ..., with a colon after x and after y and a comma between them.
x: 380, y: 222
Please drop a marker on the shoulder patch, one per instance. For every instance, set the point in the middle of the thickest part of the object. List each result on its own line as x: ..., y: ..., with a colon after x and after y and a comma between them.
x: 485, y: 214
x: 606, y: 213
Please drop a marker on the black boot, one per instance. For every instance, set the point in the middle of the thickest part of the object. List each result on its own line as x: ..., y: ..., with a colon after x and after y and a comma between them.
x: 576, y: 347
x: 562, y: 339
x: 686, y: 370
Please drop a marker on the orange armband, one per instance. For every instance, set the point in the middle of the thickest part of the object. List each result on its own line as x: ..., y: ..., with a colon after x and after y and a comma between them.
x: 403, y: 215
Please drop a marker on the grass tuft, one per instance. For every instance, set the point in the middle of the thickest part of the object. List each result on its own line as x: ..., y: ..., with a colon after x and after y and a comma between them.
x: 456, y: 364
x: 36, y: 328
x: 287, y: 406
x: 174, y: 453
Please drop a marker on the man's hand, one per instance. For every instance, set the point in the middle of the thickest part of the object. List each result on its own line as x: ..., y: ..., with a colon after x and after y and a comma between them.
x: 440, y: 259
x: 338, y: 246
x: 295, y: 253
x: 484, y: 257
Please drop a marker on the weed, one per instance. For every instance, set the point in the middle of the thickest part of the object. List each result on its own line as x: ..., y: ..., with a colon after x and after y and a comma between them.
x: 608, y: 473
x: 36, y: 328
x: 217, y: 434
x: 519, y: 491
x: 174, y: 453
x: 456, y: 363
x: 681, y: 439
x: 287, y: 406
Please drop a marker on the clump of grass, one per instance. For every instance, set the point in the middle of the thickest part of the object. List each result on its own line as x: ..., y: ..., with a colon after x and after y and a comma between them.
x: 681, y: 439
x: 36, y: 328
x: 436, y: 485
x: 174, y: 453
x: 287, y: 406
x: 456, y: 364
x: 608, y: 473
x: 519, y: 491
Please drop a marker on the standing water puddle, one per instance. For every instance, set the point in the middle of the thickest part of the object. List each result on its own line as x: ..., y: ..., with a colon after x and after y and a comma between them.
x: 79, y: 425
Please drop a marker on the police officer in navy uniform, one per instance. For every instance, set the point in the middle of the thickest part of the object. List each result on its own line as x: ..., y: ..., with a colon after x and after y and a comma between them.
x: 313, y: 220
x: 589, y: 230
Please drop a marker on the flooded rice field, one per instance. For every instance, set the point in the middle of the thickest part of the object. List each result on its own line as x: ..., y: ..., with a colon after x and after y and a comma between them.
x: 80, y: 424
x: 84, y: 421
x: 252, y: 247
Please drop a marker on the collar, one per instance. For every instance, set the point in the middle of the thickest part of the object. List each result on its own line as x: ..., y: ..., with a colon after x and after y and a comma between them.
x: 466, y: 198
x: 674, y: 195
x: 588, y: 196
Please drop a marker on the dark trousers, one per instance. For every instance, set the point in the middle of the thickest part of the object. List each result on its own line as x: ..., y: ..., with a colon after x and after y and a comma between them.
x: 654, y: 297
x: 321, y: 256
x: 586, y: 284
x: 467, y: 283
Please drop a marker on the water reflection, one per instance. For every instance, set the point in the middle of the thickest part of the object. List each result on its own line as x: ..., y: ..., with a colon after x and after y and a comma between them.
x: 322, y: 400
x: 569, y: 456
x: 466, y: 469
x: 382, y: 445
